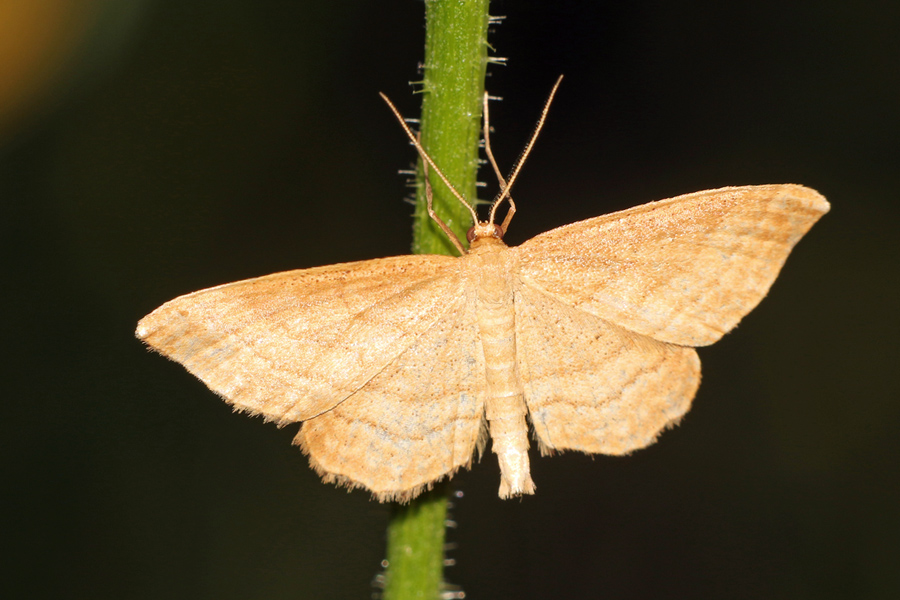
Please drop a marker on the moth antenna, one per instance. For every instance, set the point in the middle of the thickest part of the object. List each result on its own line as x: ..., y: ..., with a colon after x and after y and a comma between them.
x: 504, y: 193
x: 497, y: 172
x: 415, y: 141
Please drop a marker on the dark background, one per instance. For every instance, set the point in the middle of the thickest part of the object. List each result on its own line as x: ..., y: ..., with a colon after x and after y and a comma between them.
x: 149, y: 149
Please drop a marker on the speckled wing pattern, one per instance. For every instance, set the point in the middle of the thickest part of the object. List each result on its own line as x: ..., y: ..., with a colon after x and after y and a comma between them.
x: 608, y: 308
x: 593, y: 386
x: 420, y: 419
x: 293, y: 345
x: 683, y: 270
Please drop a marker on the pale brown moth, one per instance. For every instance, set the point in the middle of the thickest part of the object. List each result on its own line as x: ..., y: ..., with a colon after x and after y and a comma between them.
x: 401, y: 368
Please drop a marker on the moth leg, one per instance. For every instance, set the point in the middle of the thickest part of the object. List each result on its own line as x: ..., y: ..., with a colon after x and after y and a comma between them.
x: 430, y: 197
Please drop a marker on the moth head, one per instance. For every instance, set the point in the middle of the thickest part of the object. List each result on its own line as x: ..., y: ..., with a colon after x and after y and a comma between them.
x: 484, y: 229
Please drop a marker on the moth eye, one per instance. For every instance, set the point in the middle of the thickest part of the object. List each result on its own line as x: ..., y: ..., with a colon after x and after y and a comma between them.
x: 470, y: 235
x: 498, y: 233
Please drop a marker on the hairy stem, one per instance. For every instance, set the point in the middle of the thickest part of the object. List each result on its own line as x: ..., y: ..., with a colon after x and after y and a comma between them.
x: 452, y: 90
x: 416, y: 547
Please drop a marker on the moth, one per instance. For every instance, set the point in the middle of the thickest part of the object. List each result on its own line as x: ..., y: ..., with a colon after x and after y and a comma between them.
x: 401, y: 368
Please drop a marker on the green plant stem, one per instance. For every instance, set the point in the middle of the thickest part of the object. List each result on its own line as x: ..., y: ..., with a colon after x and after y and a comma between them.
x: 453, y: 86
x: 416, y: 547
